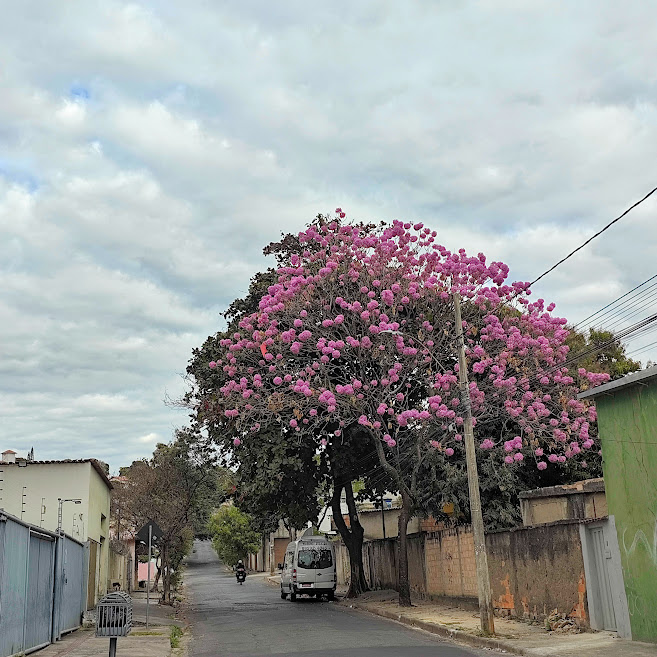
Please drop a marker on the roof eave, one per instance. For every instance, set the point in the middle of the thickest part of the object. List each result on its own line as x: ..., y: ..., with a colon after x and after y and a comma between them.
x: 636, y: 378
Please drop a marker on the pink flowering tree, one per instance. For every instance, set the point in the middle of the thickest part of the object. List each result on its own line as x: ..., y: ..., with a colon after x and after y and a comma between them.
x: 358, y: 332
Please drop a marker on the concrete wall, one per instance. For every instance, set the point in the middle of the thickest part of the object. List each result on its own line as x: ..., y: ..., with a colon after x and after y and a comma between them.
x: 118, y: 571
x: 372, y: 523
x: 628, y: 419
x: 534, y: 570
x: 98, y: 527
x: 43, y: 484
x: 543, y: 510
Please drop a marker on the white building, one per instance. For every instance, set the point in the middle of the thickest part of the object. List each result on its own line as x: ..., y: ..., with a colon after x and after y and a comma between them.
x: 32, y: 490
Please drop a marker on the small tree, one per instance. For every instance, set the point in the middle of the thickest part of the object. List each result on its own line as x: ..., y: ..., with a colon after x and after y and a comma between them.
x: 172, y: 488
x: 233, y: 536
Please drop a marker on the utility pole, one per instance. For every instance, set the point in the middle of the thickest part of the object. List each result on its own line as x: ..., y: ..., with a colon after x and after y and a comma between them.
x: 148, y: 581
x: 481, y: 558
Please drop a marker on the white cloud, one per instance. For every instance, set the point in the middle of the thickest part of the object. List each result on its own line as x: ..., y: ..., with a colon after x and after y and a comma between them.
x: 148, y: 152
x: 149, y: 439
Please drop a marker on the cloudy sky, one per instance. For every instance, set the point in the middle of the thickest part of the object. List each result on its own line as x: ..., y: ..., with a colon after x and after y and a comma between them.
x: 149, y: 150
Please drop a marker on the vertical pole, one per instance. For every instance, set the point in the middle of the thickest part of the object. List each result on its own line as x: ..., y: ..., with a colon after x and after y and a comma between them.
x: 112, y: 650
x: 481, y: 558
x: 148, y: 582
x: 27, y: 582
x: 383, y: 517
x: 54, y: 630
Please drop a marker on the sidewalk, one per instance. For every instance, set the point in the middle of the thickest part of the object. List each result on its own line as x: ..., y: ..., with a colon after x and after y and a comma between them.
x: 511, y: 635
x: 157, y: 614
x: 83, y: 643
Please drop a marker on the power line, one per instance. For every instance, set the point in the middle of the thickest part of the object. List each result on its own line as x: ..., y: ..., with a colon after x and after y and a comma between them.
x: 597, y: 312
x: 581, y: 246
x: 627, y: 314
x: 638, y: 350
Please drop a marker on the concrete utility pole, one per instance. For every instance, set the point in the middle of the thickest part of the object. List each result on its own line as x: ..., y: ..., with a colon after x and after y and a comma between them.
x: 481, y: 558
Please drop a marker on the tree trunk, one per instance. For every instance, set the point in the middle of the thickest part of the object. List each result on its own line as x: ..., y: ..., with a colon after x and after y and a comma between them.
x: 166, y: 576
x: 352, y: 537
x: 158, y: 572
x: 403, y: 581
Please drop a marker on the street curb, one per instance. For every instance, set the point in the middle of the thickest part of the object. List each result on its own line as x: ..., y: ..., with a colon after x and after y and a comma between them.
x: 441, y: 630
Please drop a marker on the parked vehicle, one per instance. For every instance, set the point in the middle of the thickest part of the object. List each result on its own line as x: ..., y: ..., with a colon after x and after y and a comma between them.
x: 309, y: 568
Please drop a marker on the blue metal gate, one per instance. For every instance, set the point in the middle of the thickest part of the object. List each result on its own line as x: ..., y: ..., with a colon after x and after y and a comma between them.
x: 39, y: 598
x: 34, y: 584
x: 74, y: 584
x: 13, y: 572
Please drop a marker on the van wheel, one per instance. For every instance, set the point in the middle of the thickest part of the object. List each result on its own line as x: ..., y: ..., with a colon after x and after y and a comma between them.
x: 283, y: 595
x: 330, y: 596
x: 293, y: 596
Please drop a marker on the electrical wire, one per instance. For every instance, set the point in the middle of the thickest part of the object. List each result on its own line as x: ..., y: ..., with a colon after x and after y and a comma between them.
x: 597, y: 312
x: 625, y: 309
x: 588, y: 241
x: 641, y: 349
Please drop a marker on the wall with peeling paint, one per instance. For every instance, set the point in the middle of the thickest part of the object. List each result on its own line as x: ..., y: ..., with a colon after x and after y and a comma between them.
x: 534, y: 570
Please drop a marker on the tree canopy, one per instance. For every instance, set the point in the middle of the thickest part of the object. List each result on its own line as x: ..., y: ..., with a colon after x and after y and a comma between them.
x: 176, y: 488
x: 233, y: 535
x: 358, y: 332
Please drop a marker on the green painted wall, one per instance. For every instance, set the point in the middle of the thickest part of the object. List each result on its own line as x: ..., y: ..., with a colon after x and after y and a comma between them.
x: 627, y: 421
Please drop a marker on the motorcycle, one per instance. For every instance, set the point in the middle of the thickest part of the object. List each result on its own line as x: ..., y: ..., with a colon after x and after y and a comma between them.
x: 241, y: 576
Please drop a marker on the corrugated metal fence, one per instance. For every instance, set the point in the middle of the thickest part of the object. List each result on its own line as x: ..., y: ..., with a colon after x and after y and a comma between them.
x: 42, y: 585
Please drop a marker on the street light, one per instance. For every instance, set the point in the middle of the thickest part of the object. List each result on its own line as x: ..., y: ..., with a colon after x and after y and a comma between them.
x: 59, y: 511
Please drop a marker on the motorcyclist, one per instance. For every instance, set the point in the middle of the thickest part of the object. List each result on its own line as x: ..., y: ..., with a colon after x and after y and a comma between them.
x: 240, y: 569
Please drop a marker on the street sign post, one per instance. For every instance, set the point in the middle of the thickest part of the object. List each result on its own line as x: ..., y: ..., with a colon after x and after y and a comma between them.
x: 147, y: 533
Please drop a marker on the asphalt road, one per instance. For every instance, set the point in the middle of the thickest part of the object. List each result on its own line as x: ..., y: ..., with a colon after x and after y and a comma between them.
x: 229, y: 620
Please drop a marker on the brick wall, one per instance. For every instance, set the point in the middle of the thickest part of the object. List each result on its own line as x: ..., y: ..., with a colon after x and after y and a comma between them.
x: 450, y: 565
x: 533, y: 570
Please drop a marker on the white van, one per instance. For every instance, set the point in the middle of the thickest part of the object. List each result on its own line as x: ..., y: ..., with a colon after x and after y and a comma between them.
x: 309, y: 568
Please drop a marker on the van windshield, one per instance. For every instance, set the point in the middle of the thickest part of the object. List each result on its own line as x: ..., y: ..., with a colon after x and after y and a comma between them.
x: 315, y: 558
